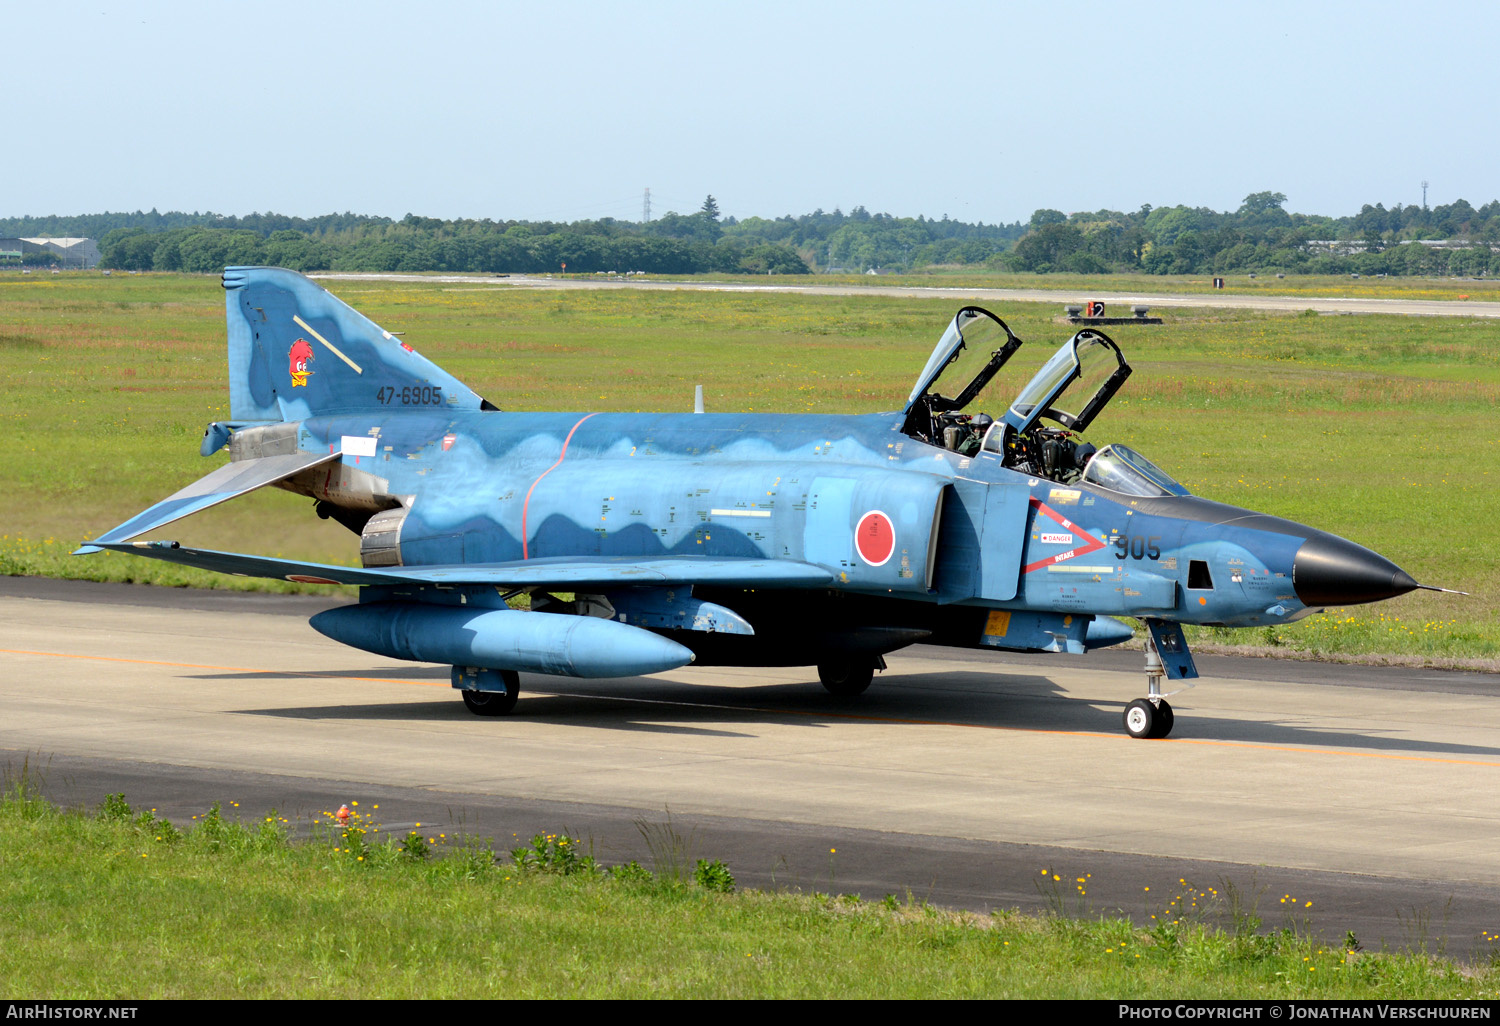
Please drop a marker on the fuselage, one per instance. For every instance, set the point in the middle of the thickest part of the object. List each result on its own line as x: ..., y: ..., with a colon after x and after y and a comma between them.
x: 892, y: 516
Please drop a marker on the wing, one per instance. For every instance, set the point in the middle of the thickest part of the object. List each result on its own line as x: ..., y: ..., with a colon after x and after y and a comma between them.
x: 563, y: 572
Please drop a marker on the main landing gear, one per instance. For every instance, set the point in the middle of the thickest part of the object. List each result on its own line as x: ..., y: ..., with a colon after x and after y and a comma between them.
x: 487, y: 692
x: 849, y: 677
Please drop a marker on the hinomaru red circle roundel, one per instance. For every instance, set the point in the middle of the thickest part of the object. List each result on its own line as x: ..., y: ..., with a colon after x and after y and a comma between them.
x: 875, y: 538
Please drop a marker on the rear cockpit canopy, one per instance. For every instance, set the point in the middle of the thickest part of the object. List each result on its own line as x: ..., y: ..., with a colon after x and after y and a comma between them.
x: 1089, y: 366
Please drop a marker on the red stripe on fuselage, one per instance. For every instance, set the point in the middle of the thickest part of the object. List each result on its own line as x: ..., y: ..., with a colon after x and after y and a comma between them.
x: 526, y: 506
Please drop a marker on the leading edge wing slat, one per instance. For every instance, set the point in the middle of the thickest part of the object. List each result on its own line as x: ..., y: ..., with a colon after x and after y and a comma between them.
x: 562, y: 573
x: 574, y: 573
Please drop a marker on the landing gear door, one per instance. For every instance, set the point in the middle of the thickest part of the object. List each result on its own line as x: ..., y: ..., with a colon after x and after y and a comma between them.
x: 1171, y: 646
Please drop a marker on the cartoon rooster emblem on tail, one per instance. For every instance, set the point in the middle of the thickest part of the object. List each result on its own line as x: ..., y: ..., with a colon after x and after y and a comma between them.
x: 299, y: 354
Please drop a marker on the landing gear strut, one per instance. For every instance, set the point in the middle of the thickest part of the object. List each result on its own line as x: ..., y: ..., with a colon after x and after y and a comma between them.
x: 1151, y: 717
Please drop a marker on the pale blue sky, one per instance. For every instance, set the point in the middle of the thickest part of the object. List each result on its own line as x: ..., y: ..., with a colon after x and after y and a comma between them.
x: 983, y: 111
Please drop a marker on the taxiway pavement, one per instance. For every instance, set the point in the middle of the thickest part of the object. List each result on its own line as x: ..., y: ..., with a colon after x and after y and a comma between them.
x: 1119, y: 303
x: 958, y: 777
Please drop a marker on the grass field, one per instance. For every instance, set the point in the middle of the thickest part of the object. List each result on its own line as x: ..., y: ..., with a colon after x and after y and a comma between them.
x: 1381, y: 429
x: 1309, y: 285
x: 116, y: 903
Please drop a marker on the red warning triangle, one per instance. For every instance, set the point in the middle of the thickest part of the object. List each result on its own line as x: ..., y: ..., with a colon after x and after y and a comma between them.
x: 1089, y: 544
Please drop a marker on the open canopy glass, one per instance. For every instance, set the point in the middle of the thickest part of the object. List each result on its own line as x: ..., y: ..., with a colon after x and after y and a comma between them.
x: 975, y: 346
x: 1088, y: 367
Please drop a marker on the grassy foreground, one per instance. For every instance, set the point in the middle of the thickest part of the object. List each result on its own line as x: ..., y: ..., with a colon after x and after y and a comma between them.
x: 120, y: 904
x: 1381, y: 429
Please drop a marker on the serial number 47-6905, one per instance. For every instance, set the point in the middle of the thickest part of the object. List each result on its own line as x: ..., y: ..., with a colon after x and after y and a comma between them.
x: 411, y: 395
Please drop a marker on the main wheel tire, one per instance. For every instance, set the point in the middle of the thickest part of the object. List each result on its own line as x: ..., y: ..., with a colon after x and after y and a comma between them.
x: 846, y: 679
x: 1141, y: 719
x: 1164, y: 719
x: 495, y: 703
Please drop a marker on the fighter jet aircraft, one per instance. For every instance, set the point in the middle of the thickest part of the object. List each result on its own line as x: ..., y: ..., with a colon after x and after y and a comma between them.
x: 733, y: 538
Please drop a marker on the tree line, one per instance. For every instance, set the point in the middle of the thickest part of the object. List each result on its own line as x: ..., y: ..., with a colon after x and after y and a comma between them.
x: 672, y: 245
x: 1261, y: 235
x: 402, y: 247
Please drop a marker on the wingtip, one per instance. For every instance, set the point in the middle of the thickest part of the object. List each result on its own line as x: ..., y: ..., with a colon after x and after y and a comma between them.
x: 84, y: 550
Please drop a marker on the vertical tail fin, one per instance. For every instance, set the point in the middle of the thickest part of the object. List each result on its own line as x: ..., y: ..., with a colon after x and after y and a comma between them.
x: 296, y: 351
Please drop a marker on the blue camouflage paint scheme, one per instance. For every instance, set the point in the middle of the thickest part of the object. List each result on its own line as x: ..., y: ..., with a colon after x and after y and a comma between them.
x: 750, y: 520
x: 682, y: 484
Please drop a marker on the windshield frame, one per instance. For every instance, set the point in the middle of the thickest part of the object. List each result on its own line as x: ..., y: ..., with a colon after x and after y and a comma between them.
x: 1124, y: 466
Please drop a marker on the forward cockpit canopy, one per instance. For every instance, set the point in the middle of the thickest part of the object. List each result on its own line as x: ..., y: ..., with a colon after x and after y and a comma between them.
x: 973, y: 349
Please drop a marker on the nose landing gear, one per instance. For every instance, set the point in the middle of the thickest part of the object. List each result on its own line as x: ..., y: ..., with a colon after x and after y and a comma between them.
x: 1151, y: 717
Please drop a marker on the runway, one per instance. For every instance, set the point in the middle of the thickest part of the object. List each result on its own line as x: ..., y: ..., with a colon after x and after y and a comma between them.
x: 1118, y: 301
x: 958, y: 777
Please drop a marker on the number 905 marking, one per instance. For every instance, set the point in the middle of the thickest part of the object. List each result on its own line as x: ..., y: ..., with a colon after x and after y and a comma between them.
x: 410, y: 395
x: 1137, y: 546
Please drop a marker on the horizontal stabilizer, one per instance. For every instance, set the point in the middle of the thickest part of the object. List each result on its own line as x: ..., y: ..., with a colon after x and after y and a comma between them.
x: 223, y: 484
x: 564, y: 573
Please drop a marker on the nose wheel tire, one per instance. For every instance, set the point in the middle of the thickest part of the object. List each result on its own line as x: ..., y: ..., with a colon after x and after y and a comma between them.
x: 495, y: 703
x: 846, y: 679
x: 1147, y: 719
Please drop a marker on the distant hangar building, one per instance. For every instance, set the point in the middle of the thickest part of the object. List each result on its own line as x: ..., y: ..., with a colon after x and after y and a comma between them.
x: 68, y: 252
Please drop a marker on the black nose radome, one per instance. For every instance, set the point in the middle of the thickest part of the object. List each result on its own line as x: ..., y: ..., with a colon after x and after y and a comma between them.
x: 1330, y: 571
